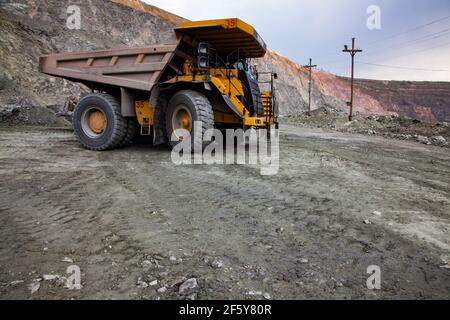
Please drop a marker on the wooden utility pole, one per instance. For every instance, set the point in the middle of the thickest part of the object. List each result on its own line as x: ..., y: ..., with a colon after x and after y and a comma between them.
x: 310, y: 66
x: 353, y: 51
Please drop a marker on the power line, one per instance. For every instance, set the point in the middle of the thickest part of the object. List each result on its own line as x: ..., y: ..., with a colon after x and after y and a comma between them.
x: 402, y: 46
x: 401, y: 67
x: 416, y: 52
x: 432, y: 36
x: 428, y: 37
x: 408, y: 31
x: 398, y: 34
x: 420, y: 51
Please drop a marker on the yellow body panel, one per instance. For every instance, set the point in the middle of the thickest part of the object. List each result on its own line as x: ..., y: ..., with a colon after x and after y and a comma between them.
x: 230, y: 23
x: 220, y: 117
x: 226, y: 36
x: 145, y: 113
x: 233, y: 89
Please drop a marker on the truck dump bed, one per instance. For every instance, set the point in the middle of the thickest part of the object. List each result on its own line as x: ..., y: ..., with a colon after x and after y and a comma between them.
x: 137, y: 68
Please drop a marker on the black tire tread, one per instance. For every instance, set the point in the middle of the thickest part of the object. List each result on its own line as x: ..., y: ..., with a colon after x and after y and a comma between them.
x: 203, y: 109
x: 130, y: 135
x: 119, y: 130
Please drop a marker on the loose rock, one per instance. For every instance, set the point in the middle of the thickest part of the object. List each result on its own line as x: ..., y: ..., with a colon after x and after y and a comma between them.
x: 162, y: 290
x: 34, y: 287
x: 218, y: 264
x: 50, y: 277
x: 280, y: 230
x: 16, y: 282
x: 153, y: 283
x: 439, y: 140
x: 189, y: 287
x: 423, y: 140
x: 377, y: 213
x: 141, y: 284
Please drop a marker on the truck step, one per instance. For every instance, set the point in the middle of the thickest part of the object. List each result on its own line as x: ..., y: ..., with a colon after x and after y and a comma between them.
x: 146, y: 130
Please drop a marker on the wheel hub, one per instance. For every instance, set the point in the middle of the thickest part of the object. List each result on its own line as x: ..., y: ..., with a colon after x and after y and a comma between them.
x: 97, y: 122
x: 182, y: 119
x: 93, y: 122
x: 185, y: 120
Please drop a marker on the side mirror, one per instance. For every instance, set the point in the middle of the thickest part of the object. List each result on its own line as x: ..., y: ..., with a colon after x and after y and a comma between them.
x: 275, y: 76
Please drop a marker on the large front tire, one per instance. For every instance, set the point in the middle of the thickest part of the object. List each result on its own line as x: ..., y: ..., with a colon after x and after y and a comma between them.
x: 185, y: 108
x: 98, y: 122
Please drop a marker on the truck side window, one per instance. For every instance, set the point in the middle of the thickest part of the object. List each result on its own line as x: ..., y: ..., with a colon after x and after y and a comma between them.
x: 240, y: 66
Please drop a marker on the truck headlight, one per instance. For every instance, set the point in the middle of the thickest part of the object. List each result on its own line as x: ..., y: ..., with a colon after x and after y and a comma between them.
x: 203, y: 48
x: 203, y: 62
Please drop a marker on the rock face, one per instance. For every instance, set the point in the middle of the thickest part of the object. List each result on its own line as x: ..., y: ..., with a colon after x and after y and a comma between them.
x: 154, y: 11
x: 427, y: 101
x: 31, y: 28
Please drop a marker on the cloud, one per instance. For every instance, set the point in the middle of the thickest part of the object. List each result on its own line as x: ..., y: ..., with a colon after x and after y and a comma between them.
x: 319, y: 29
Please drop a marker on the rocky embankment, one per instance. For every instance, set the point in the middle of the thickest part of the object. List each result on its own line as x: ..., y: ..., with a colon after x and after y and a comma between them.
x: 389, y: 126
x: 31, y: 29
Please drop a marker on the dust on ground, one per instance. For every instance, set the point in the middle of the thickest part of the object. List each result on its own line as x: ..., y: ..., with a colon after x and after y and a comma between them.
x: 138, y: 226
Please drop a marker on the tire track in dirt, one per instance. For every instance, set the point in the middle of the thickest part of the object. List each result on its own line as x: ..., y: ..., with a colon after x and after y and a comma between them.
x: 54, y: 210
x: 171, y: 186
x: 112, y: 211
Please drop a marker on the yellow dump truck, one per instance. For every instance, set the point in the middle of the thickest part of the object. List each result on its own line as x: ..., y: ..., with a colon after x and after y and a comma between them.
x: 207, y: 76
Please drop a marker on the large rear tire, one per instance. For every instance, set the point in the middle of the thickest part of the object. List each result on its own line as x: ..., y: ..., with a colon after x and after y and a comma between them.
x: 98, y: 122
x: 185, y: 108
x: 132, y: 131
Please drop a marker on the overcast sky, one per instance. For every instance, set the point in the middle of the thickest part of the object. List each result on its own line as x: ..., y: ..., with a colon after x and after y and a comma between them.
x: 413, y: 34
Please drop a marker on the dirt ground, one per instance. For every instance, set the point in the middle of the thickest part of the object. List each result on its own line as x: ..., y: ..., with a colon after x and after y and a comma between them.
x: 129, y: 217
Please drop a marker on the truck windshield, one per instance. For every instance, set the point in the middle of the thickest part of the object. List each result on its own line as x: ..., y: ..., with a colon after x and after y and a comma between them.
x: 240, y: 66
